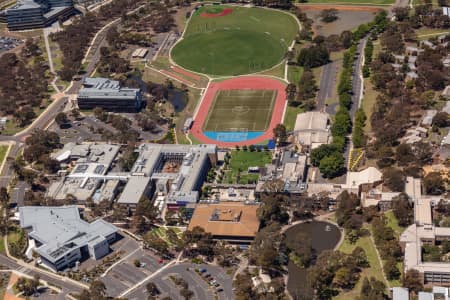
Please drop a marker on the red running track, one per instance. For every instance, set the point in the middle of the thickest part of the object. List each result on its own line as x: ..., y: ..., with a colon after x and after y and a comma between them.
x: 238, y: 83
x: 185, y: 73
x: 224, y: 12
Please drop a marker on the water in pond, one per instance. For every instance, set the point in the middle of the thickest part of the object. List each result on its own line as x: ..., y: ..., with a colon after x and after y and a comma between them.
x: 322, y: 236
x: 178, y: 100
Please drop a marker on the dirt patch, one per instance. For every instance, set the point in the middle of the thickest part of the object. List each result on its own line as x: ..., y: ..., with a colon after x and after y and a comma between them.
x: 340, y: 7
x: 9, y: 294
x: 224, y: 12
x: 176, y: 77
x: 347, y: 20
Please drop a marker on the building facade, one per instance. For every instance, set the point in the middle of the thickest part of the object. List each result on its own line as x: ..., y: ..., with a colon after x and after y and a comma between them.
x: 62, y: 238
x: 31, y: 14
x: 109, y: 95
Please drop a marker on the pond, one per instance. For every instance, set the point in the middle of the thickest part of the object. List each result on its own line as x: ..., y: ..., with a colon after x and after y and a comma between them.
x: 322, y: 236
x: 178, y: 100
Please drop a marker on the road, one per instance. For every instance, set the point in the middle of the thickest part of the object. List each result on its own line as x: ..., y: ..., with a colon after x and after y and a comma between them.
x: 358, y: 87
x: 66, y: 285
x: 327, y: 84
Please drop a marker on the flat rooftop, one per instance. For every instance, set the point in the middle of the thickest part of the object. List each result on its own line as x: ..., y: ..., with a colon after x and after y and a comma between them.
x: 312, y: 120
x: 60, y: 229
x: 226, y: 219
x: 106, y: 88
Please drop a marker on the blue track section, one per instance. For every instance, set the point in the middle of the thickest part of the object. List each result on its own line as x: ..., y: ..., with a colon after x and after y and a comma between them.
x: 231, y: 137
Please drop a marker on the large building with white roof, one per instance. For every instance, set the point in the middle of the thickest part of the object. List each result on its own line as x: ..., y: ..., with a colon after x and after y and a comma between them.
x: 62, y: 238
x: 311, y: 129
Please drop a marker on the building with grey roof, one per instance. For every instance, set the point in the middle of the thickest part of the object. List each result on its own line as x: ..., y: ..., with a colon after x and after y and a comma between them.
x: 62, y: 238
x: 400, y: 293
x: 175, y: 171
x: 136, y: 188
x: 288, y: 166
x: 88, y: 177
x: 424, y: 232
x: 30, y: 14
x: 311, y: 129
x: 108, y: 95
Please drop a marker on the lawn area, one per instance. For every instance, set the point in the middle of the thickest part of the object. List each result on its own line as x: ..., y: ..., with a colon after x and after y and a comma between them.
x: 245, y: 41
x: 277, y: 71
x: 294, y: 74
x: 2, y: 246
x: 368, y: 101
x: 317, y: 74
x: 373, y: 271
x: 393, y: 223
x: 3, y: 150
x: 426, y: 33
x: 13, y: 236
x: 237, y: 109
x: 240, y: 162
x: 291, y: 116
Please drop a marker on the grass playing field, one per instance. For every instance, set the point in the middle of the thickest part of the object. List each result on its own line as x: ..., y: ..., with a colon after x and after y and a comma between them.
x: 245, y: 41
x: 241, y: 110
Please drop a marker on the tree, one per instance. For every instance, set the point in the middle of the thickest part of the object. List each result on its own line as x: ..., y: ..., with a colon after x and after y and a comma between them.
x: 360, y: 257
x: 344, y: 278
x: 434, y: 184
x: 391, y: 270
x: 412, y: 281
x: 403, y: 210
x: 394, y: 179
x: 332, y: 166
x: 441, y: 119
x: 4, y: 196
x: 152, y: 289
x: 329, y: 15
x: 24, y: 115
x: 28, y: 286
x: 314, y: 56
x: 404, y: 155
x: 346, y: 38
x: 280, y: 134
x: 244, y: 286
x: 75, y: 113
x: 291, y: 91
x: 322, y: 151
x: 61, y: 119
x: 272, y: 210
x: 401, y: 13
x: 100, y: 114
x: 137, y: 263
x: 307, y: 87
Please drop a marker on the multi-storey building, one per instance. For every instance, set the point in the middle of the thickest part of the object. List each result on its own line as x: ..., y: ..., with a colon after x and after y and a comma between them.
x: 30, y: 14
x: 109, y: 95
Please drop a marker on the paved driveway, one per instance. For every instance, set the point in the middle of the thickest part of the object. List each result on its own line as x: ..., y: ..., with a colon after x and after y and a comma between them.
x: 201, y: 289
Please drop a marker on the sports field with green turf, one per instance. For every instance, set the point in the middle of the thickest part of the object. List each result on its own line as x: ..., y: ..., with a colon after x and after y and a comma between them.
x: 241, y: 110
x: 247, y: 40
